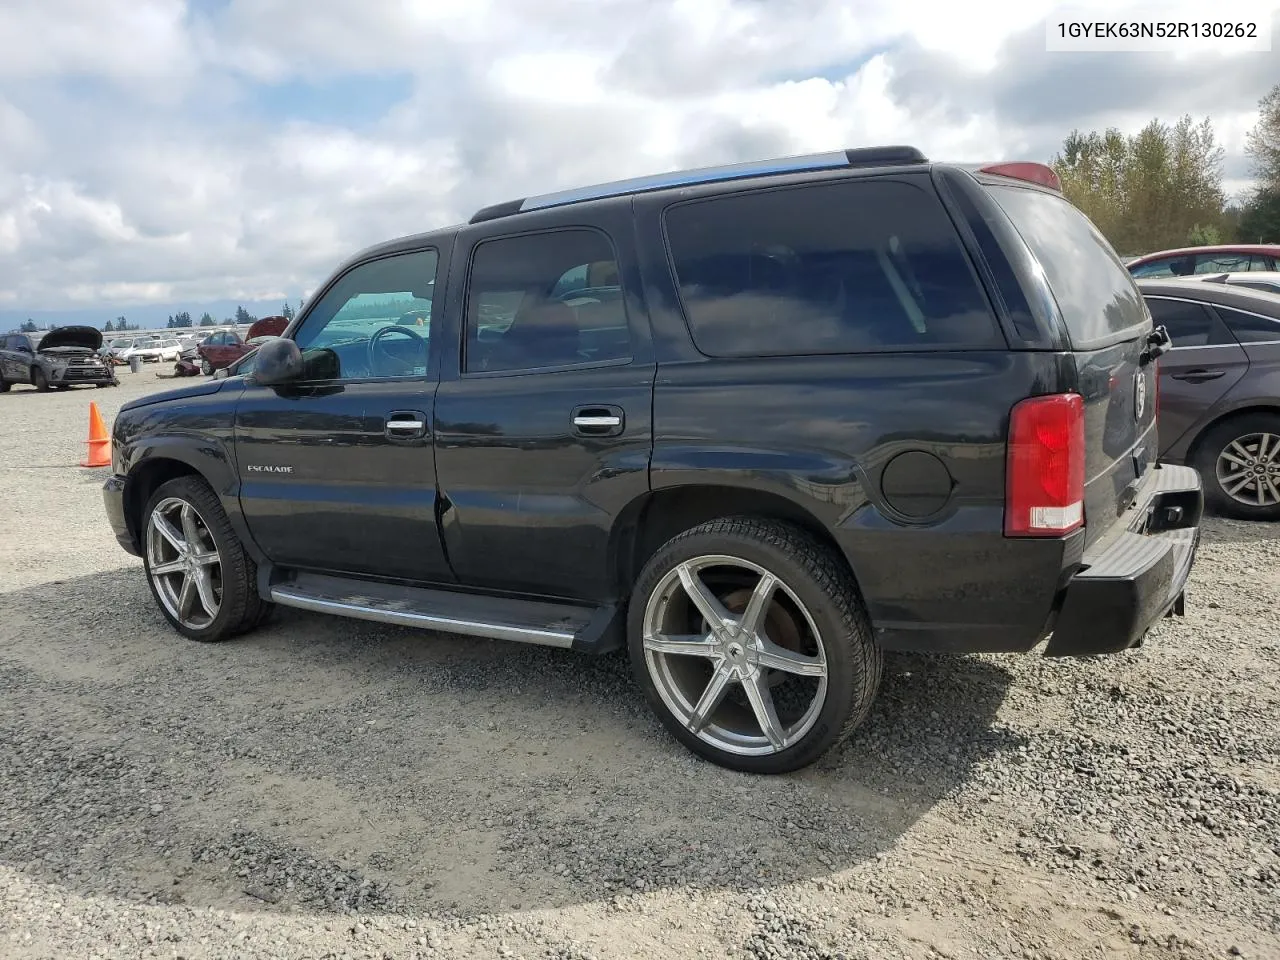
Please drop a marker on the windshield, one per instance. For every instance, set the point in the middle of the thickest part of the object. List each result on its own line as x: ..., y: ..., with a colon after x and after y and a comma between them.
x: 121, y: 344
x: 1096, y: 294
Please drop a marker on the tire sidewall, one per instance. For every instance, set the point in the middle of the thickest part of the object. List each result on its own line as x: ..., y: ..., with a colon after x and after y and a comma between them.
x: 203, y: 499
x: 838, y: 644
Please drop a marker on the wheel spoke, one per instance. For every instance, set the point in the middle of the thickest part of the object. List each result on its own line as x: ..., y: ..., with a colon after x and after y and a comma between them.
x: 1238, y: 447
x: 1272, y: 489
x: 1239, y: 482
x: 711, y: 697
x: 779, y: 658
x: 753, y: 617
x: 689, y: 646
x: 186, y: 597
x: 189, y: 529
x: 761, y: 699
x: 173, y: 566
x: 204, y: 588
x: 712, y: 609
x: 1262, y: 447
x: 169, y: 532
x: 206, y: 558
x: 1232, y: 458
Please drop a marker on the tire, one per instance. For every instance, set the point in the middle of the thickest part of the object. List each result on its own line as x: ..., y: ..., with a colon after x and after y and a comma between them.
x: 233, y: 577
x: 815, y: 622
x: 1252, y: 442
x: 4, y: 384
x: 206, y: 368
x: 39, y: 380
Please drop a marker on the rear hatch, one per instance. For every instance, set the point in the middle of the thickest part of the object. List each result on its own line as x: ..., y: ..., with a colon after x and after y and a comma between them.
x: 1108, y: 325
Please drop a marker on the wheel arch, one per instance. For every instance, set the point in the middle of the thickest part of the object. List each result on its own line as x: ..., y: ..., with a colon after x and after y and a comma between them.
x: 1197, y: 443
x: 167, y: 461
x: 649, y: 521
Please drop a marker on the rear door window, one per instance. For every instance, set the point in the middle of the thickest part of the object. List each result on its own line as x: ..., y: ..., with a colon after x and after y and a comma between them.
x: 1099, y: 300
x: 1189, y: 324
x: 844, y: 267
x: 1223, y: 262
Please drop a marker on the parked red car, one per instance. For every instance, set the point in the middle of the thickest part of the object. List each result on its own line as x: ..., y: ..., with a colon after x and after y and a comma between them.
x: 220, y: 350
x: 1224, y: 258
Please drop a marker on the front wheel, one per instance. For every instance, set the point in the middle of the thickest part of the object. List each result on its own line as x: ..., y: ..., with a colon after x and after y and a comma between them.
x: 206, y: 368
x: 752, y: 645
x: 200, y: 575
x: 1239, y: 460
x: 39, y: 380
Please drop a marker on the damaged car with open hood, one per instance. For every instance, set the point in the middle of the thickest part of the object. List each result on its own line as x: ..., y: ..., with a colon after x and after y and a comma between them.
x: 63, y: 358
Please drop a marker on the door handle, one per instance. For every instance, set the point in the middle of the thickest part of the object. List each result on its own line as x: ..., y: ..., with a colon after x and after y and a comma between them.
x: 406, y: 425
x: 1199, y: 375
x: 598, y: 421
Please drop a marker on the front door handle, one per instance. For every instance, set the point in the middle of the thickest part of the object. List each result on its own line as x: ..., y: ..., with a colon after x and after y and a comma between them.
x: 1199, y: 375
x: 604, y: 420
x: 406, y: 425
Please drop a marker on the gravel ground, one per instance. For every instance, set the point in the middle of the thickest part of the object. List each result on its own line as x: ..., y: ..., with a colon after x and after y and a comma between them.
x: 328, y: 788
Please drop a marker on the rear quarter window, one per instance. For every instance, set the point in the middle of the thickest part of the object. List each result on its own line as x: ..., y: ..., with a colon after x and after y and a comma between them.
x: 1253, y: 327
x: 1096, y: 295
x: 838, y: 267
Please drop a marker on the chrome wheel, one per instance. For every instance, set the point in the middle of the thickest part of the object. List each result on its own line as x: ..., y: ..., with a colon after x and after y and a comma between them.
x: 1248, y: 469
x: 183, y: 563
x: 734, y: 655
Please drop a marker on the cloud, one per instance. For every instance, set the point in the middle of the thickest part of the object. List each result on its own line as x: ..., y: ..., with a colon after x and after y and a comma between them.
x: 161, y: 151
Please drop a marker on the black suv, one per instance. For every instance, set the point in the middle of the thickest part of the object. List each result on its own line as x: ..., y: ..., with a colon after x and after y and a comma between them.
x: 758, y: 424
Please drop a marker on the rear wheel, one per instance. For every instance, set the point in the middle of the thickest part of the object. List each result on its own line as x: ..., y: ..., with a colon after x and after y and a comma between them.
x: 199, y: 573
x: 39, y: 380
x: 751, y: 644
x: 1239, y: 460
x: 4, y: 384
x: 206, y: 368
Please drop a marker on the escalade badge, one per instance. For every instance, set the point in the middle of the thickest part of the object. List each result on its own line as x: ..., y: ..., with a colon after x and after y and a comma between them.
x: 1140, y: 396
x: 267, y: 468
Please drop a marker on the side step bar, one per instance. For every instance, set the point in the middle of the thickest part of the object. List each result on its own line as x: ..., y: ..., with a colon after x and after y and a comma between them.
x: 585, y: 629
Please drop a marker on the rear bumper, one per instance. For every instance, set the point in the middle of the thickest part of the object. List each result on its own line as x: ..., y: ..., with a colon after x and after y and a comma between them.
x: 113, y: 500
x: 1139, y: 576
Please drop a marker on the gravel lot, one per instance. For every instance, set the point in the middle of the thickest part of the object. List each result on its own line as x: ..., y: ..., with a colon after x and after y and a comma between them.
x: 331, y: 788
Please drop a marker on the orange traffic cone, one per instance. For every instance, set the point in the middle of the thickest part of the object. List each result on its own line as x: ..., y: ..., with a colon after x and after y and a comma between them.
x: 99, y: 442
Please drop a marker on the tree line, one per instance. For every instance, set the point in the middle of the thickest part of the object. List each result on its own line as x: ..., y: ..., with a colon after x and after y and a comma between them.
x: 1162, y: 187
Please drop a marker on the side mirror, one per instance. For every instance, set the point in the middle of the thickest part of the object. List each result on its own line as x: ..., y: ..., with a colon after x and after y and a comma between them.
x: 277, y: 361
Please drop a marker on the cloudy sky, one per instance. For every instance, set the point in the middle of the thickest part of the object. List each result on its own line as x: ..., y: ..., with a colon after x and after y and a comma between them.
x: 171, y: 152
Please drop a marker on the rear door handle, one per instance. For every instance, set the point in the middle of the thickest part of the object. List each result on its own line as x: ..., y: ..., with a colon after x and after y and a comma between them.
x: 406, y: 425
x: 1199, y: 375
x: 603, y: 420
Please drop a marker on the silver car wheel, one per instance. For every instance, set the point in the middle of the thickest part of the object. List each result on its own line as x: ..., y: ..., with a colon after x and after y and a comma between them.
x: 1248, y: 469
x: 735, y: 655
x: 183, y: 563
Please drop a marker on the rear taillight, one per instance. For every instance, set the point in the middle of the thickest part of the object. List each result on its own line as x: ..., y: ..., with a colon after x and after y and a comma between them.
x: 1044, y: 485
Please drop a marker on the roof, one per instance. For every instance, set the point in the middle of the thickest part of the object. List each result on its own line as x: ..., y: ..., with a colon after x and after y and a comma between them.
x: 1229, y: 295
x: 834, y: 160
x: 1272, y: 249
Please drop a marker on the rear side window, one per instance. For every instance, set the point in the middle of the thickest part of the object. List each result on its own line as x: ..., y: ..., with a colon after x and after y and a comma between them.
x: 847, y: 267
x: 1189, y: 324
x: 1096, y: 294
x: 1251, y: 327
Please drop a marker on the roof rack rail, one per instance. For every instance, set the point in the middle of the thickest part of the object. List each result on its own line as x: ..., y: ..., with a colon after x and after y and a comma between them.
x: 854, y: 157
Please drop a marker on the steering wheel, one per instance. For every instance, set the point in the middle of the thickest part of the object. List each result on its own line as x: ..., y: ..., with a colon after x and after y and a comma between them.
x: 374, y: 363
